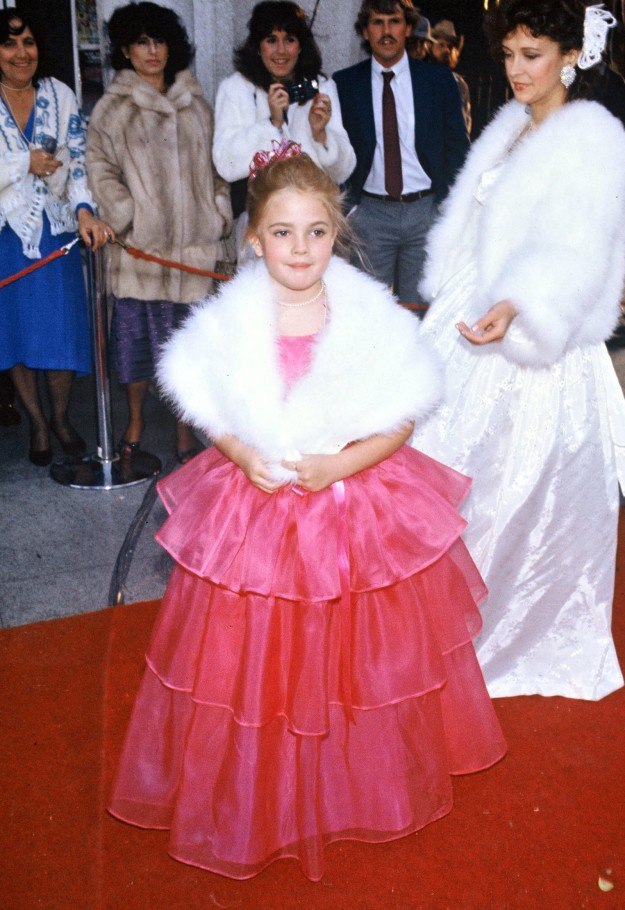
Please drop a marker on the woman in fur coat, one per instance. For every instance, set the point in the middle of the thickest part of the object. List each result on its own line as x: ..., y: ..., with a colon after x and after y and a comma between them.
x: 525, y: 269
x: 311, y: 675
x: 151, y: 171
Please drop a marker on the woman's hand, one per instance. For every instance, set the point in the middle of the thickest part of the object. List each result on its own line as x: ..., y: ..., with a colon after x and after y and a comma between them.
x: 319, y: 116
x: 315, y: 472
x: 278, y: 103
x: 93, y: 231
x: 42, y: 163
x: 491, y: 327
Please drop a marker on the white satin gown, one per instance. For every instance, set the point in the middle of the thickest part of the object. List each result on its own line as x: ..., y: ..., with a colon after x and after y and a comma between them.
x: 546, y: 451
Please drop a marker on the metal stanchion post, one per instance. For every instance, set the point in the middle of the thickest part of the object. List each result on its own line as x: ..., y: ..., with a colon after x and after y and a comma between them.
x: 105, y: 470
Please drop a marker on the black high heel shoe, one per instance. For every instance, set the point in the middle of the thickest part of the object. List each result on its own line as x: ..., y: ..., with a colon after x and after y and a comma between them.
x: 73, y: 444
x: 39, y: 457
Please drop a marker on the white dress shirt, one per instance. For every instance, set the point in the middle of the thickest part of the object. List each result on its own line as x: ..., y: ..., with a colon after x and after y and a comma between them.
x: 415, y: 178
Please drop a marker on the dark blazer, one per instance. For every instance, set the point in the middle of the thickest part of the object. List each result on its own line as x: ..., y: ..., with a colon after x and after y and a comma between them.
x: 441, y: 140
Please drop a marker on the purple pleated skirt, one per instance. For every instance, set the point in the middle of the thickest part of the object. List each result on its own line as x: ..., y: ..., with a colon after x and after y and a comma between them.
x: 139, y: 329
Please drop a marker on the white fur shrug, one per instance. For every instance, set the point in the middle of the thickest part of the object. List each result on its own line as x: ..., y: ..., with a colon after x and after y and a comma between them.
x: 552, y: 229
x: 370, y: 370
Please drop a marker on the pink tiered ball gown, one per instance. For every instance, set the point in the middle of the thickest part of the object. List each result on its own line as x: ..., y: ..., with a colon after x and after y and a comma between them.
x: 311, y: 676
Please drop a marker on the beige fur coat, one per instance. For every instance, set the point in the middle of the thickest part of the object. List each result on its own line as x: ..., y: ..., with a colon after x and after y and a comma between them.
x: 150, y: 169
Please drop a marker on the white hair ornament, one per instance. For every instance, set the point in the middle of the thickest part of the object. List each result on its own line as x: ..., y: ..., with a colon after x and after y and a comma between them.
x: 597, y: 21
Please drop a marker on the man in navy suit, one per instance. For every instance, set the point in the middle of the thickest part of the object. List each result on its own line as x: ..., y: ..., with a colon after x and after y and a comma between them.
x: 404, y: 120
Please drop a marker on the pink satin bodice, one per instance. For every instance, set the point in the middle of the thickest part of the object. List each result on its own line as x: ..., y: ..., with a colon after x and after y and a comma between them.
x: 295, y: 355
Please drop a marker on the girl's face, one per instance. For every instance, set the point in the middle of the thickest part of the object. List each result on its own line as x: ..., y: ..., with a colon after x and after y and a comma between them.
x: 148, y: 56
x: 279, y: 52
x: 18, y: 58
x: 295, y: 236
x: 533, y: 68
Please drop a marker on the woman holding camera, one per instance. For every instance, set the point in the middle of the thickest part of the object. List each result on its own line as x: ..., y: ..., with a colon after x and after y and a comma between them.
x: 277, y: 92
x: 44, y: 200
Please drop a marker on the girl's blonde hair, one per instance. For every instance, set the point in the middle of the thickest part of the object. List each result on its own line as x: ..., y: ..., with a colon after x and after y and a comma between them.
x: 302, y: 174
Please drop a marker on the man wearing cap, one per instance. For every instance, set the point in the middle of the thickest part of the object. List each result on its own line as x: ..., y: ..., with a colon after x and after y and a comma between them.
x: 419, y: 44
x: 446, y: 49
x: 405, y: 124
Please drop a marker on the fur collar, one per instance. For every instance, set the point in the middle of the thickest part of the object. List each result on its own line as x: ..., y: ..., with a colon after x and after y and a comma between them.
x: 127, y: 84
x: 370, y: 369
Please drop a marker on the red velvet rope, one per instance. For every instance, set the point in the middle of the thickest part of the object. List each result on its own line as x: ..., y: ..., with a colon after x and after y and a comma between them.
x: 36, y: 265
x: 170, y: 264
x: 148, y: 257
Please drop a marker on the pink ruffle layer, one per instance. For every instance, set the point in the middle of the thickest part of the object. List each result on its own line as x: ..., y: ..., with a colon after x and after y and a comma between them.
x: 401, y: 516
x: 239, y: 741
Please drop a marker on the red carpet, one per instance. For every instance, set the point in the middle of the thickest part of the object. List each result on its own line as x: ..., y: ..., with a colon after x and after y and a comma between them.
x: 536, y: 831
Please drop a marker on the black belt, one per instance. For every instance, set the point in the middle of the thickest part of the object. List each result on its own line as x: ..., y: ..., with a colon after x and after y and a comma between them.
x: 406, y: 197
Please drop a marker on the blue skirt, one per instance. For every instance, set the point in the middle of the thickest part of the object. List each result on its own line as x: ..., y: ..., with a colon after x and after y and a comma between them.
x: 44, y: 322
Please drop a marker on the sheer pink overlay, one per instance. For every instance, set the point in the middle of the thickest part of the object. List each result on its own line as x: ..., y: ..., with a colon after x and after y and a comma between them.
x: 240, y: 741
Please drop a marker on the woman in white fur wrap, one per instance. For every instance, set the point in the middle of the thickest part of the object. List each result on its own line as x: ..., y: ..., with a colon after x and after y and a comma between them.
x: 530, y: 253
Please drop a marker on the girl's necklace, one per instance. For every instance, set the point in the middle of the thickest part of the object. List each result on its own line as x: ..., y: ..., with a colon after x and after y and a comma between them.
x: 29, y: 142
x: 306, y: 302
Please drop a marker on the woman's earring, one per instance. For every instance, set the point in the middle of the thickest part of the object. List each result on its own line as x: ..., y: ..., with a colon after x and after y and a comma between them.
x: 568, y: 75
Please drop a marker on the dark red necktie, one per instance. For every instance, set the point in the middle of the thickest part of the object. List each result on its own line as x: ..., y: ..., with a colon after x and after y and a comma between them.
x: 393, y: 178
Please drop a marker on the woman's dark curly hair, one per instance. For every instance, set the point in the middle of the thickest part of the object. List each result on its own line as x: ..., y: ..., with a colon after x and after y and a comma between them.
x: 8, y: 30
x: 128, y: 23
x: 282, y: 16
x: 560, y: 20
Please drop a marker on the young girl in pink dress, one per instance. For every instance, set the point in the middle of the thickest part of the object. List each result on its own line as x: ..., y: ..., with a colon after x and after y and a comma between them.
x: 311, y: 676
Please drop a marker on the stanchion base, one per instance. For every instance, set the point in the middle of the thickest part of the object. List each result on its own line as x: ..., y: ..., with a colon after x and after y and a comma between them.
x: 93, y: 473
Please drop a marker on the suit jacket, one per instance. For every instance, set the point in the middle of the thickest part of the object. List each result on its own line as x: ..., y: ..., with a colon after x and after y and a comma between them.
x: 441, y: 140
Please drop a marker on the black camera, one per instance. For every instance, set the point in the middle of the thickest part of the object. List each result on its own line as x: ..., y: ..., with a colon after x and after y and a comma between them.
x: 302, y: 91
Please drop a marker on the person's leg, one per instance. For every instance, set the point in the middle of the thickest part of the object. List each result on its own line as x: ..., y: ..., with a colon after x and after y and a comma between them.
x: 164, y: 317
x: 132, y: 359
x: 186, y: 444
x: 135, y: 393
x: 9, y: 415
x: 27, y: 386
x: 416, y: 220
x: 59, y: 384
x: 376, y: 225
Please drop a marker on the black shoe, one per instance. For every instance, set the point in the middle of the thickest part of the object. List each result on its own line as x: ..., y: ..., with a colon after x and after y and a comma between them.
x: 73, y: 444
x: 40, y: 457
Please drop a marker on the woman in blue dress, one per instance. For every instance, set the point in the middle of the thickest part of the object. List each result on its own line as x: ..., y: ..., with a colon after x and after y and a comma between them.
x: 44, y: 200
